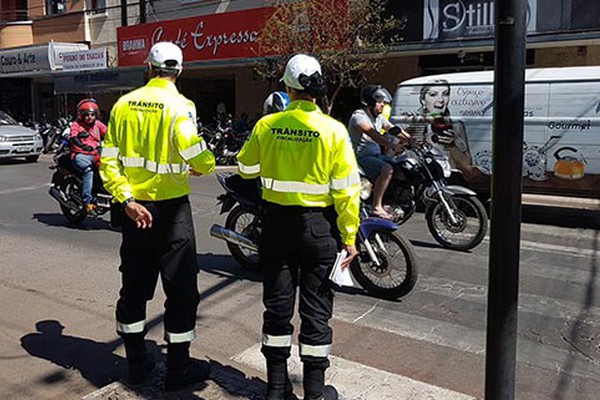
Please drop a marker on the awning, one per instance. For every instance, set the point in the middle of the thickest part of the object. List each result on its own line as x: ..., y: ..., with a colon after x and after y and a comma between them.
x: 36, y: 59
x: 109, y: 80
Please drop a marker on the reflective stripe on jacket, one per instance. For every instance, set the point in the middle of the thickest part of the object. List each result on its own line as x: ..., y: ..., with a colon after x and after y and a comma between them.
x: 304, y: 157
x: 151, y: 142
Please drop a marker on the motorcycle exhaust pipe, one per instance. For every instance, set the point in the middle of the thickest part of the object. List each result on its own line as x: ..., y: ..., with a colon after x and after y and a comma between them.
x: 232, y: 237
x: 59, y: 196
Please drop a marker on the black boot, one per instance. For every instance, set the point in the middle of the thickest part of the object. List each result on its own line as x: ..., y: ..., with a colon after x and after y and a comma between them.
x: 181, y: 372
x: 314, y: 382
x: 140, y: 363
x: 279, y: 386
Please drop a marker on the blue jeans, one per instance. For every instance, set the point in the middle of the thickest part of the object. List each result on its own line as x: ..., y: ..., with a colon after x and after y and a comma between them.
x: 84, y: 164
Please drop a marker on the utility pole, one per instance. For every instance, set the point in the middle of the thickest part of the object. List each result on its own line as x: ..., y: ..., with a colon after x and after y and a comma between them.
x: 142, y: 11
x: 505, y: 227
x: 123, y: 12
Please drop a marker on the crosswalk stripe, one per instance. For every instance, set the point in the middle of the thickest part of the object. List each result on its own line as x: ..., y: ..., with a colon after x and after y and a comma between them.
x: 530, y: 303
x: 357, y: 381
x: 461, y: 338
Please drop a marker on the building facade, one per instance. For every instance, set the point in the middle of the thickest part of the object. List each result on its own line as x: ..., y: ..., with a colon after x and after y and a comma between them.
x: 440, y: 36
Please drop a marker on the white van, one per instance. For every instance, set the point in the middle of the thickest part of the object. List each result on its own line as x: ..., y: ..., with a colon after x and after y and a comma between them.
x: 561, y: 153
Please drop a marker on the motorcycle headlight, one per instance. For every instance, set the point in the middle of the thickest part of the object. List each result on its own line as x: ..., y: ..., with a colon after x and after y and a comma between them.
x: 366, y: 187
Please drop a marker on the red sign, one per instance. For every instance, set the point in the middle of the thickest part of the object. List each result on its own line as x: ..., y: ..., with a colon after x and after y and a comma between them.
x: 208, y: 37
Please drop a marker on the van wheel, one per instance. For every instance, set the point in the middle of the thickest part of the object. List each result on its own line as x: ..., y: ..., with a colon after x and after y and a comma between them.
x: 32, y: 159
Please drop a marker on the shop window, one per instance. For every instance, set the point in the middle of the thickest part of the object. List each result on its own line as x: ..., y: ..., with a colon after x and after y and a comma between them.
x: 98, y: 7
x: 54, y: 7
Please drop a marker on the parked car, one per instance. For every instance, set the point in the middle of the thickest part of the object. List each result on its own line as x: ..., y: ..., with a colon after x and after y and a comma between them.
x: 18, y: 141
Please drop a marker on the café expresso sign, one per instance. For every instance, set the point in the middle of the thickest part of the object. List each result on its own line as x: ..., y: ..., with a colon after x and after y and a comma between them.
x: 209, y: 37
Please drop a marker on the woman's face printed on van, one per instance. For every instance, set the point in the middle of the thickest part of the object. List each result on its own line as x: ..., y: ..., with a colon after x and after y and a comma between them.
x: 436, y: 99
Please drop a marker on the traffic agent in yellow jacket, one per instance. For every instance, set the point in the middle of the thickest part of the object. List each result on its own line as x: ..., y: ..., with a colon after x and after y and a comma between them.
x: 151, y: 143
x: 305, y: 158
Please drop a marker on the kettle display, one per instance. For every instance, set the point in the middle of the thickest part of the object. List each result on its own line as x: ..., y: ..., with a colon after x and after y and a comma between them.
x: 570, y: 166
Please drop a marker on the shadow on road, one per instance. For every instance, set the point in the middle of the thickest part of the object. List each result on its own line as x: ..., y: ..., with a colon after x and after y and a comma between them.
x: 94, y: 360
x: 560, y: 216
x: 224, y: 265
x: 88, y: 224
x: 235, y: 382
x: 580, y: 338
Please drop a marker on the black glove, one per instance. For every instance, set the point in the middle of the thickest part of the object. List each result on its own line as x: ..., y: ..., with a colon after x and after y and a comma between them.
x: 87, y: 147
x: 394, y: 130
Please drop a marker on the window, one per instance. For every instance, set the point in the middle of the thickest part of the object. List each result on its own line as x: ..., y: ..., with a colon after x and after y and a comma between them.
x: 98, y: 7
x: 56, y: 7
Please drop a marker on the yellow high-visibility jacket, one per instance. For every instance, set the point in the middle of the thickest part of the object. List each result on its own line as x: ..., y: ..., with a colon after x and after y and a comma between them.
x: 150, y: 144
x: 305, y: 158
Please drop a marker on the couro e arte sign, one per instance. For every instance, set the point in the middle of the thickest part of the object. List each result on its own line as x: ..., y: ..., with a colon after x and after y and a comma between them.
x: 209, y: 37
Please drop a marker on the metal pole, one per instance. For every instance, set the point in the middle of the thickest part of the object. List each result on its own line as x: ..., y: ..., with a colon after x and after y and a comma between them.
x: 142, y: 11
x: 123, y: 12
x: 505, y: 232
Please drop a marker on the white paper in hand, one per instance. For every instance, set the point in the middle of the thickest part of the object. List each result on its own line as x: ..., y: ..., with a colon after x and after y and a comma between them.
x: 341, y: 276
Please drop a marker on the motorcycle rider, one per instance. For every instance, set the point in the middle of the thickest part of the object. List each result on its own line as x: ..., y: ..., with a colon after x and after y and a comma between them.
x: 365, y: 127
x: 86, y: 135
x: 310, y: 187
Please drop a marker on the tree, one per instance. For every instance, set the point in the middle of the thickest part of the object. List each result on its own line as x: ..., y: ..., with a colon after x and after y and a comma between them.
x: 349, y: 37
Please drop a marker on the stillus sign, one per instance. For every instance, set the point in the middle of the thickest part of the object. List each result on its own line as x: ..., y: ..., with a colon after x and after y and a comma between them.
x: 208, y: 37
x: 457, y: 19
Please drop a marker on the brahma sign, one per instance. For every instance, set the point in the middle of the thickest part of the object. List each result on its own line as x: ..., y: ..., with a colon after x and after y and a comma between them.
x: 208, y: 37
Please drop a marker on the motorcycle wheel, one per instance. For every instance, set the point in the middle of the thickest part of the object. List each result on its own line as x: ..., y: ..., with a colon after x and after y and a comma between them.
x: 398, y: 270
x: 246, y: 222
x: 470, y: 228
x: 72, y: 190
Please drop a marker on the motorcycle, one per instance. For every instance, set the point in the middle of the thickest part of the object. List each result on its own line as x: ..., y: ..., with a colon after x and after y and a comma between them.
x: 57, y: 135
x: 67, y: 187
x: 386, y: 265
x: 223, y: 141
x: 455, y: 217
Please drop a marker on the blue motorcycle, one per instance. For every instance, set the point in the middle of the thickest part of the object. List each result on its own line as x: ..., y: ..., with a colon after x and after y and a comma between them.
x: 386, y: 264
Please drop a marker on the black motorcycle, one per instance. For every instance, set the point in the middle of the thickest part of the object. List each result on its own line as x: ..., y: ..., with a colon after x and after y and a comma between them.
x: 455, y: 217
x: 385, y: 266
x: 56, y: 135
x: 67, y: 188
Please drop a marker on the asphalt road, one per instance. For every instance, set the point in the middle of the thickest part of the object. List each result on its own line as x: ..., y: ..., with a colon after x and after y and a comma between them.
x: 59, y: 284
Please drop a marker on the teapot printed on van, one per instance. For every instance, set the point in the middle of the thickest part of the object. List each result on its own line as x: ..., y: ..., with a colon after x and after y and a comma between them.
x: 570, y: 166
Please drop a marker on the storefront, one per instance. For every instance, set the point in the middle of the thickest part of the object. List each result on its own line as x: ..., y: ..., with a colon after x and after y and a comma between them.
x: 444, y: 36
x: 105, y: 85
x: 219, y: 53
x: 26, y: 73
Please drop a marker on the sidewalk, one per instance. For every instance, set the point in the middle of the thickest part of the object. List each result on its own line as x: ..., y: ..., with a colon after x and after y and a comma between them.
x: 239, y: 381
x: 225, y: 383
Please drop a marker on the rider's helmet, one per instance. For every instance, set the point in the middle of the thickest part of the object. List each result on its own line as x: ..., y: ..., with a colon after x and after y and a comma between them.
x: 88, y: 106
x: 371, y: 94
x: 275, y: 102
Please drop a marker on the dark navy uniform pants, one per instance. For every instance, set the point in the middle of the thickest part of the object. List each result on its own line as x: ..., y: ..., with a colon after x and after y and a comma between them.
x: 168, y: 250
x: 297, y: 252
